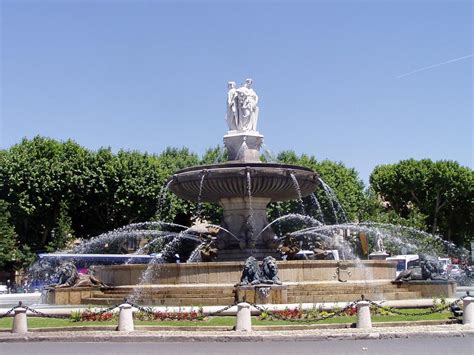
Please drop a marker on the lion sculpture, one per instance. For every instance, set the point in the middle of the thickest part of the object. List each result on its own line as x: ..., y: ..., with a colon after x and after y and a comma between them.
x: 270, y: 271
x: 69, y: 277
x: 429, y: 269
x: 250, y: 273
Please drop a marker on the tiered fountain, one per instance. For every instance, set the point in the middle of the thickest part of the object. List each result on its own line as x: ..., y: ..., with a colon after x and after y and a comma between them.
x: 244, y: 186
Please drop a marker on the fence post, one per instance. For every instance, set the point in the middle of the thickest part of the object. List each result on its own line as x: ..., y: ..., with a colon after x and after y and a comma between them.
x: 20, y: 324
x: 244, y: 319
x: 363, y: 314
x: 468, y: 311
x: 125, y: 323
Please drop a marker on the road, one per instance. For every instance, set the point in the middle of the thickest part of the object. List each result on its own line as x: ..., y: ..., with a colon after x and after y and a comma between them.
x: 418, y: 346
x: 461, y: 291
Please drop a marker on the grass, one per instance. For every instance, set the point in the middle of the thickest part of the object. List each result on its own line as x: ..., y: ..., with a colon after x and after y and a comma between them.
x: 229, y: 321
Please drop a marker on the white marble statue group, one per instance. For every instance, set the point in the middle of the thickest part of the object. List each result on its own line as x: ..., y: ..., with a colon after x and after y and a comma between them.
x: 242, y: 109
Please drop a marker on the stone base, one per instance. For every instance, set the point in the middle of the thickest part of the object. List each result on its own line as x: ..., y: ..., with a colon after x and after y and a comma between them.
x: 243, y: 146
x: 262, y: 294
x: 430, y: 288
x: 70, y: 295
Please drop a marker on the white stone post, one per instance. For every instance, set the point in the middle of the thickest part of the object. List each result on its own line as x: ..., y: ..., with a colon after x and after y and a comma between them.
x: 468, y: 311
x: 363, y: 315
x: 20, y: 325
x: 244, y: 319
x: 125, y: 318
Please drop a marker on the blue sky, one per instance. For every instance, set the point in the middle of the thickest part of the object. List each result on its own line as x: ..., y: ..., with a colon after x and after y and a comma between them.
x: 144, y: 75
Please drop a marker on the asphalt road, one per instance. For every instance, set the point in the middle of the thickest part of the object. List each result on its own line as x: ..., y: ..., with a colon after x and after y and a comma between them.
x: 461, y: 291
x: 418, y: 346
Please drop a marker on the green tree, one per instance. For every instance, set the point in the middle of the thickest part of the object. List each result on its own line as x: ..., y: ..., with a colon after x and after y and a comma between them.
x: 171, y: 208
x: 347, y: 186
x: 374, y: 210
x: 443, y: 191
x: 10, y: 253
x: 120, y: 189
x: 38, y: 176
x: 62, y: 234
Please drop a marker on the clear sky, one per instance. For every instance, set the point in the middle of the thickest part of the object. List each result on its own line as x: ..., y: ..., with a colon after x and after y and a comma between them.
x: 144, y: 75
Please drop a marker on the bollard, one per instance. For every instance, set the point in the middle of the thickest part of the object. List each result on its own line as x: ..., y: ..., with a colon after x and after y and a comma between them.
x: 244, y: 320
x: 363, y: 315
x: 125, y: 318
x: 468, y: 311
x: 20, y: 325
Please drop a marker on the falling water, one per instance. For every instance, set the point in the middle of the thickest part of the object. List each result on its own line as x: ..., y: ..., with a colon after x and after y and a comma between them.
x: 301, y: 218
x: 394, y: 238
x: 333, y: 200
x: 161, y: 200
x: 318, y: 207
x: 251, y: 214
x: 298, y: 191
x: 199, y: 204
x: 195, y: 256
x: 113, y: 238
x: 268, y: 155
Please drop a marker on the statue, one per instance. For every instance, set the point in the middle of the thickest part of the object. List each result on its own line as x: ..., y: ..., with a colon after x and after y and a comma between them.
x: 242, y: 109
x: 232, y: 110
x: 429, y: 269
x: 69, y: 277
x: 250, y: 273
x: 270, y: 271
x: 209, y: 251
x: 289, y: 246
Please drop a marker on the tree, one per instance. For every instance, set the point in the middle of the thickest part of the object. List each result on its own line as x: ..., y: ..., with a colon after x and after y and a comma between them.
x: 374, y: 210
x: 171, y: 208
x: 443, y: 191
x: 345, y: 182
x: 38, y: 176
x: 10, y: 253
x: 119, y: 189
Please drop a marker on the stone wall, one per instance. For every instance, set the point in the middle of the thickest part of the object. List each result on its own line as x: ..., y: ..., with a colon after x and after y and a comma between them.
x: 230, y: 272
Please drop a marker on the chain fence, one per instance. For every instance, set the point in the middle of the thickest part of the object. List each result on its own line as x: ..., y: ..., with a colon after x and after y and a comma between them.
x: 432, y: 311
x: 274, y: 314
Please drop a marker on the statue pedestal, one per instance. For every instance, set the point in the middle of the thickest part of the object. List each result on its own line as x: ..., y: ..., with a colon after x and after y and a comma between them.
x: 262, y: 294
x: 246, y: 218
x: 243, y: 145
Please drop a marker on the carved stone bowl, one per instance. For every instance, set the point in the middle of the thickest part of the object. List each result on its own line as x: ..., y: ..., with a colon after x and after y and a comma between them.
x: 230, y: 180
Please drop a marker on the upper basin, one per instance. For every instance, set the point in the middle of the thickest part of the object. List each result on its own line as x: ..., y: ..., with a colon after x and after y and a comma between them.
x: 228, y: 180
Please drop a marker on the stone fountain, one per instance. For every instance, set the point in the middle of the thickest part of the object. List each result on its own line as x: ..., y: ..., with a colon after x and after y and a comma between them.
x: 244, y: 186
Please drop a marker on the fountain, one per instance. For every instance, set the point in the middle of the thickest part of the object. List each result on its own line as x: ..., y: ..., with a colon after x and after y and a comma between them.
x: 244, y: 186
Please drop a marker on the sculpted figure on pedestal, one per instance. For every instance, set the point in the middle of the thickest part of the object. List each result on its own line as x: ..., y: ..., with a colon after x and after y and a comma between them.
x: 250, y: 273
x: 242, y: 109
x: 270, y: 271
x: 232, y: 115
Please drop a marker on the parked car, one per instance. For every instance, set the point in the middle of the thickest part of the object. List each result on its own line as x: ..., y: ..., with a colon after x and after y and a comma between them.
x: 3, y: 289
x: 455, y: 270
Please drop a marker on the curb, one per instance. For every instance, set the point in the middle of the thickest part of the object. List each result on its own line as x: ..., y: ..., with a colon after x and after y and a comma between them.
x: 292, y: 327
x: 225, y: 337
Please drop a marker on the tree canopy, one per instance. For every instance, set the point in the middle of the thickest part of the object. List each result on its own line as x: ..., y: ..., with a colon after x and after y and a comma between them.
x: 52, y: 192
x: 443, y: 191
